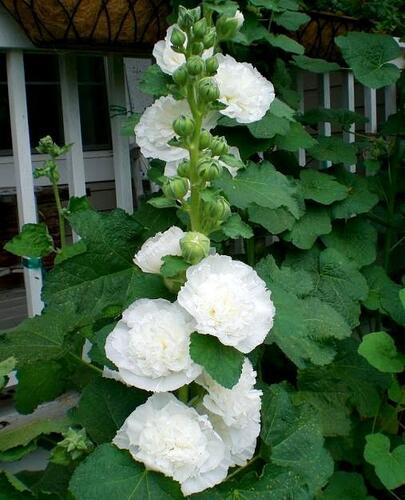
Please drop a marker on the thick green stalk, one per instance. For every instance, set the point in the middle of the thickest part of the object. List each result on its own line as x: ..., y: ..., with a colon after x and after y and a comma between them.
x: 61, y: 218
x: 182, y: 394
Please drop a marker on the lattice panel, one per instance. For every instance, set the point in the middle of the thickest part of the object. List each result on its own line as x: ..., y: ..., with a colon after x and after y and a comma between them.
x: 91, y: 23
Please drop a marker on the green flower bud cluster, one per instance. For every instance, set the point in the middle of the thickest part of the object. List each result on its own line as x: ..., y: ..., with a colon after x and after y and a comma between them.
x: 74, y: 446
x: 183, y: 126
x: 226, y: 27
x: 208, y: 169
x: 214, y: 212
x: 194, y: 246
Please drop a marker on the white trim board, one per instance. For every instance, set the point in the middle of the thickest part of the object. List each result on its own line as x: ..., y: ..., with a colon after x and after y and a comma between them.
x: 11, y: 35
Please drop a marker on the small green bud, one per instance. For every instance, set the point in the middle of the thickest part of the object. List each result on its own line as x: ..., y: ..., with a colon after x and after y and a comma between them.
x: 183, y: 126
x: 200, y: 29
x: 219, y: 146
x: 211, y: 65
x: 227, y: 27
x: 197, y: 48
x: 205, y: 139
x: 210, y: 39
x: 175, y: 188
x: 180, y: 75
x: 194, y: 247
x: 209, y: 169
x: 183, y: 170
x: 185, y: 18
x: 195, y: 65
x: 178, y: 37
x: 208, y: 90
x: 219, y: 209
x: 195, y: 14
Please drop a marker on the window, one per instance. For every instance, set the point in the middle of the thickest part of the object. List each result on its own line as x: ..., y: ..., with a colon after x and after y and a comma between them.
x: 44, y: 102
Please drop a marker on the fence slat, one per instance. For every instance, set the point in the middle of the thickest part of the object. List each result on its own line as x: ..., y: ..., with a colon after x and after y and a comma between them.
x: 370, y: 109
x: 349, y: 103
x: 390, y: 100
x: 122, y: 163
x: 325, y: 127
x: 23, y: 168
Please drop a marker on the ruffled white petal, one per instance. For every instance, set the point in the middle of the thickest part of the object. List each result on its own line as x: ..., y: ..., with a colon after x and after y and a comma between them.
x: 149, y: 257
x: 172, y: 438
x: 150, y: 346
x: 247, y: 100
x: 228, y: 300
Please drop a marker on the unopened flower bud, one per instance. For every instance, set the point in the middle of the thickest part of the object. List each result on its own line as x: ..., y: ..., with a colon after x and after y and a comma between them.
x: 183, y: 170
x: 209, y: 169
x: 208, y: 90
x: 205, y: 139
x: 227, y: 27
x: 219, y: 209
x: 219, y: 146
x: 180, y: 75
x: 210, y: 39
x: 194, y: 247
x: 175, y: 188
x: 183, y: 126
x: 178, y: 37
x: 200, y: 29
x: 197, y: 48
x: 195, y: 65
x: 185, y: 18
x: 211, y: 65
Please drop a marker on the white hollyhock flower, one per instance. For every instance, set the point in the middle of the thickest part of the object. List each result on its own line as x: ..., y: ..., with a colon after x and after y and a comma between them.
x: 169, y: 60
x: 245, y: 92
x: 171, y: 166
x: 228, y: 300
x: 172, y: 438
x: 149, y: 257
x: 155, y: 128
x: 150, y: 346
x: 235, y: 413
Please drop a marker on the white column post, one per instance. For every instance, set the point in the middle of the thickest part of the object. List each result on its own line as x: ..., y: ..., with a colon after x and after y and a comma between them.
x: 390, y: 100
x: 370, y: 109
x: 72, y: 125
x: 122, y: 162
x: 350, y: 104
x: 325, y: 127
x: 23, y: 167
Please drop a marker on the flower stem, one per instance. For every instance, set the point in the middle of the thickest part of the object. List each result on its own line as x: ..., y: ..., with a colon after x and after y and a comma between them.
x: 88, y: 365
x: 239, y: 469
x: 61, y: 218
x: 182, y: 394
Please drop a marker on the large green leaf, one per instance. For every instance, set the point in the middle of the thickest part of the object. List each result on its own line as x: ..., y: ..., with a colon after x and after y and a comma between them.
x: 383, y: 294
x: 380, y: 351
x: 33, y: 241
x: 234, y: 227
x: 154, y: 82
x: 356, y: 239
x: 349, y: 378
x: 6, y: 366
x: 269, y: 126
x: 103, y: 407
x: 223, y: 363
x: 261, y: 185
x: 104, y: 275
x: 154, y: 220
x: 290, y: 432
x: 368, y: 54
x: 297, y: 138
x: 112, y: 473
x: 285, y: 43
x: 303, y: 327
x: 389, y: 465
x: 315, y: 65
x: 359, y: 200
x: 334, y: 150
x: 321, y: 187
x: 275, y: 220
x: 8, y: 491
x: 342, y: 117
x: 315, y: 222
x: 345, y: 485
x: 38, y: 338
x: 39, y: 382
x: 291, y: 20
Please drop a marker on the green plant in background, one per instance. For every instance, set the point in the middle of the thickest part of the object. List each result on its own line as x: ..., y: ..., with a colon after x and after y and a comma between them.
x: 328, y: 243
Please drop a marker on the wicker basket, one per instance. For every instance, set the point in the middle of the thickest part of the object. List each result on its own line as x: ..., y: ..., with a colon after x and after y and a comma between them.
x: 318, y: 35
x: 91, y: 24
